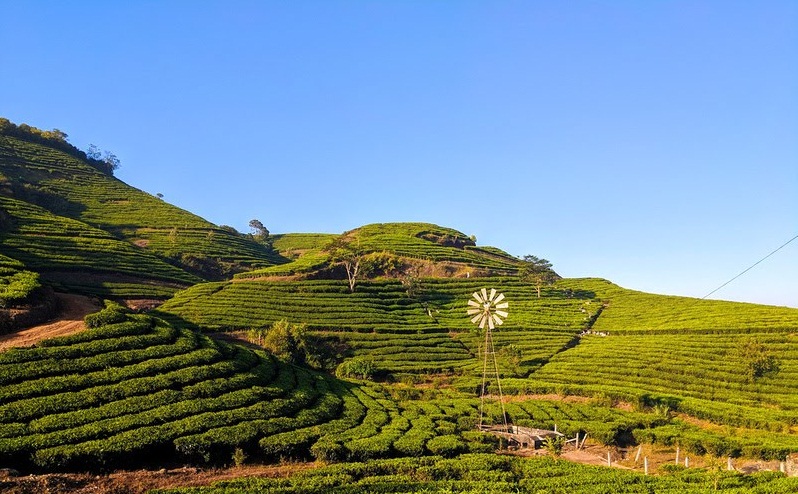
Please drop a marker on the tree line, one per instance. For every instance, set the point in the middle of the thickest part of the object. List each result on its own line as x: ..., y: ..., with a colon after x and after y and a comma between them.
x: 105, y: 162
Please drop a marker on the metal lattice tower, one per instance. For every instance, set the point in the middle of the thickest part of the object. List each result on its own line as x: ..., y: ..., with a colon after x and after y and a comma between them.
x: 488, y: 311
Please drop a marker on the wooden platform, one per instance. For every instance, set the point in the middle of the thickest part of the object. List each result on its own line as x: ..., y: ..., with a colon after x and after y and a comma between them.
x: 521, y: 437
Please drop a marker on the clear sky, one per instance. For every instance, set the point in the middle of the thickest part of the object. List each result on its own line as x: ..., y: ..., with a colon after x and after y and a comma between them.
x: 652, y: 143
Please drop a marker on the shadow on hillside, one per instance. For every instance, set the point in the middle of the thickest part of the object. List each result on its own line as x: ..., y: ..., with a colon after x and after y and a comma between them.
x: 577, y: 294
x: 435, y: 297
x: 52, y: 202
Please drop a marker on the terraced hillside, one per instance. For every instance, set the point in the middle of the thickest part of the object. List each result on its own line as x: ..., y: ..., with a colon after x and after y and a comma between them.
x: 68, y: 187
x: 424, y: 333
x: 77, y: 257
x: 137, y: 391
x: 391, y: 249
x: 687, y: 362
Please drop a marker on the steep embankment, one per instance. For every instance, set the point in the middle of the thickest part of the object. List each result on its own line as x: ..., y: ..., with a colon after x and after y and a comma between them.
x: 69, y: 320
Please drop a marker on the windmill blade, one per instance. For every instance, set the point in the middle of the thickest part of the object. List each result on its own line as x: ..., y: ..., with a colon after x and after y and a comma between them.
x: 482, y: 322
x: 479, y: 299
x: 499, y: 298
x: 490, y: 322
x: 471, y: 312
x: 503, y: 305
x: 477, y: 318
x: 497, y: 319
x: 501, y: 313
x: 484, y: 295
x: 492, y: 294
x: 474, y: 304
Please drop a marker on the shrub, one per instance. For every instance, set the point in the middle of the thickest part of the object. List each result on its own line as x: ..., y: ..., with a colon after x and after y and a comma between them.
x: 448, y: 445
x: 112, y: 313
x: 357, y: 367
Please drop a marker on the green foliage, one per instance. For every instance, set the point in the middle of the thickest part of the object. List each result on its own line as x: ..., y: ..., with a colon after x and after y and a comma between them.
x: 358, y: 368
x: 83, y: 212
x: 16, y: 287
x: 538, y: 272
x: 286, y: 341
x: 488, y: 473
x: 448, y: 445
x: 58, y: 139
x: 112, y: 313
x: 239, y: 457
x: 759, y: 362
x: 554, y: 445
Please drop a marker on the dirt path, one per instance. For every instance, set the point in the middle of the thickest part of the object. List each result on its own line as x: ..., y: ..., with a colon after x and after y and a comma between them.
x: 69, y: 320
x: 138, y: 481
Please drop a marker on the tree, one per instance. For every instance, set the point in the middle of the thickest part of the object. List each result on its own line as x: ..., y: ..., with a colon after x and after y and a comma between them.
x: 260, y: 232
x: 513, y: 353
x: 111, y: 161
x: 343, y: 251
x: 758, y: 361
x: 94, y: 153
x: 293, y: 343
x: 537, y: 271
x: 357, y: 367
x: 286, y: 341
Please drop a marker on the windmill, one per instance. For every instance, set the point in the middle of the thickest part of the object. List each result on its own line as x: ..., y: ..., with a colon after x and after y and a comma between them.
x: 488, y: 310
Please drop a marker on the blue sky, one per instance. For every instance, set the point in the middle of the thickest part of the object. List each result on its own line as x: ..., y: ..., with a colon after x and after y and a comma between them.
x: 652, y: 143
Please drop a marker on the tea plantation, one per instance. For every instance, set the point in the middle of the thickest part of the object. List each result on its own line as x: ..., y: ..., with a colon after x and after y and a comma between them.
x: 68, y: 187
x: 484, y: 473
x: 160, y: 389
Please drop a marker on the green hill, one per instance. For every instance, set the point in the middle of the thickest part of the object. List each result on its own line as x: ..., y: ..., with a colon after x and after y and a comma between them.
x: 716, y: 379
x: 688, y: 361
x: 89, y: 232
x: 391, y: 249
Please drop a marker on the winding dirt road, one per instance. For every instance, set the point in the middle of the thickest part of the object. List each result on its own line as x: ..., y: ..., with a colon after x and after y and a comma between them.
x: 69, y: 320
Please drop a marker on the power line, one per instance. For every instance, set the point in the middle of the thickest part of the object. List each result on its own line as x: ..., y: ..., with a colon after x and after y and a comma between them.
x: 749, y: 268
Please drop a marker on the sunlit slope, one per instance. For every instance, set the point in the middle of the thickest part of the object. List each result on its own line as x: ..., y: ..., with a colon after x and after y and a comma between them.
x: 697, y: 356
x: 423, y: 248
x: 78, y: 257
x: 706, y: 375
x: 69, y: 187
x: 424, y: 333
x: 137, y: 391
x: 630, y: 310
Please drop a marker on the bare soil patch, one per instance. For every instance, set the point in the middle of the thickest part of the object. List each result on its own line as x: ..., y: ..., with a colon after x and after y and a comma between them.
x: 73, y: 308
x: 139, y: 481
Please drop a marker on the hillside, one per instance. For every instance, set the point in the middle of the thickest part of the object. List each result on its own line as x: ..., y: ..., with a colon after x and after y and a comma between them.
x: 658, y: 360
x: 390, y: 249
x: 86, y: 231
x: 356, y: 349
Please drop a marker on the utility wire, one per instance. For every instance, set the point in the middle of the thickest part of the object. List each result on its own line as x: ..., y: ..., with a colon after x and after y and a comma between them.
x: 750, y: 267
